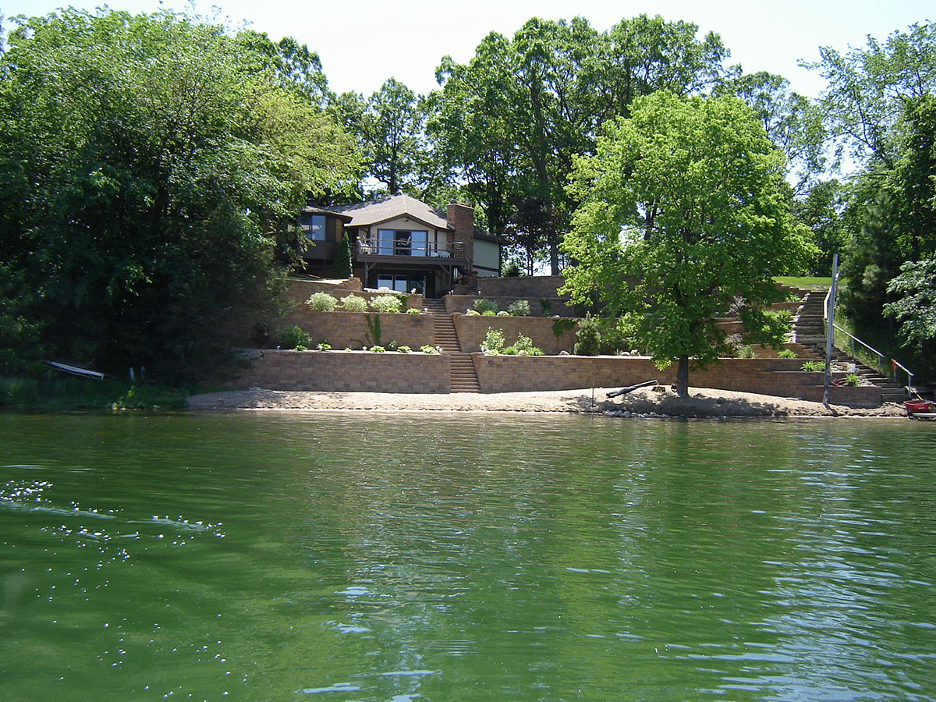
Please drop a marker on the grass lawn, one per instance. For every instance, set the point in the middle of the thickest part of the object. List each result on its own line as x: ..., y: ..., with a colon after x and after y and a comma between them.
x: 815, y: 283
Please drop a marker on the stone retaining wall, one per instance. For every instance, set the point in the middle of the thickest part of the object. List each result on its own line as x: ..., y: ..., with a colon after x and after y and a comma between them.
x: 778, y: 376
x: 344, y: 329
x: 346, y: 371
x: 472, y: 330
x: 463, y: 303
x: 298, y: 291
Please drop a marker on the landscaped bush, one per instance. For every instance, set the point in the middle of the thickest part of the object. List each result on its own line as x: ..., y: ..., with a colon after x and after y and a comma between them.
x: 354, y: 303
x: 403, y: 348
x: 323, y: 346
x: 386, y: 304
x: 493, y: 341
x: 292, y: 337
x: 588, y: 337
x: 519, y: 308
x: 473, y: 313
x: 431, y: 350
x: 493, y: 345
x: 813, y: 366
x: 485, y: 307
x: 321, y: 302
x: 413, y: 310
x: 787, y: 353
x: 523, y: 346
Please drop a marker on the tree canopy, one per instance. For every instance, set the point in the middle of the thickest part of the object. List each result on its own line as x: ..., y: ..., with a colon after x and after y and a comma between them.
x: 512, y: 120
x: 683, y: 217
x: 144, y: 158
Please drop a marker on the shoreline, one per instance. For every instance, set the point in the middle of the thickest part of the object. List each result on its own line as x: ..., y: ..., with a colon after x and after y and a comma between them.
x: 658, y: 402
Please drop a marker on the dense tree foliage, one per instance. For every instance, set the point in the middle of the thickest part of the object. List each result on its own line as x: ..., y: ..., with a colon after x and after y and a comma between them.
x: 684, y: 217
x: 143, y: 160
x: 880, y: 108
x: 512, y: 120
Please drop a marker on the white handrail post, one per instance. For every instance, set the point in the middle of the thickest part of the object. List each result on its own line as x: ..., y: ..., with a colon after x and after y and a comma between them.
x: 830, y: 330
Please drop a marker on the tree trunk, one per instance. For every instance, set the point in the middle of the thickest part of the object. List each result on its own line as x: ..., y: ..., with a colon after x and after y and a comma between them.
x: 682, y: 376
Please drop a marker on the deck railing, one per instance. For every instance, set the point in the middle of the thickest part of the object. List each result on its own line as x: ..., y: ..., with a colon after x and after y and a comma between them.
x: 867, y: 354
x: 431, y: 249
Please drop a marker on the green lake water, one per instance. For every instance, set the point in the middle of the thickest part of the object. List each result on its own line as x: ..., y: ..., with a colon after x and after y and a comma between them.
x: 339, y: 557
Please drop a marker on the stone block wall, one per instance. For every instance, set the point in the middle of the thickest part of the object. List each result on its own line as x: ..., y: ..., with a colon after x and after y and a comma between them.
x: 344, y: 329
x: 778, y: 376
x: 463, y: 303
x: 472, y: 330
x: 346, y: 371
x: 298, y: 291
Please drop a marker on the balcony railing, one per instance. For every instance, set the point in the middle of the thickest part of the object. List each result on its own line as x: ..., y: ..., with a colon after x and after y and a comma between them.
x: 409, y: 249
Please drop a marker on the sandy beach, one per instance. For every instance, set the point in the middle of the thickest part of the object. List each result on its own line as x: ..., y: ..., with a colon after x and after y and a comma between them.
x: 647, y: 402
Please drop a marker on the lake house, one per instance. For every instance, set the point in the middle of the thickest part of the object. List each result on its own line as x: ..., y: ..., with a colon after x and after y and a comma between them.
x: 401, y: 243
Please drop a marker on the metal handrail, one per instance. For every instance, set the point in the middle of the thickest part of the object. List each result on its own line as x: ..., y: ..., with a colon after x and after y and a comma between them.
x: 881, y: 358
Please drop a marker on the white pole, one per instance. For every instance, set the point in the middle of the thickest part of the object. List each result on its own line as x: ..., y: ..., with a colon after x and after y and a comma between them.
x: 830, y: 329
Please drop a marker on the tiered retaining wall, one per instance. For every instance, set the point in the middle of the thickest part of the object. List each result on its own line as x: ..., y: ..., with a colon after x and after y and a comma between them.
x: 346, y: 371
x: 778, y: 376
x: 421, y: 373
x: 472, y: 330
x: 349, y: 329
x: 463, y: 303
x: 298, y: 291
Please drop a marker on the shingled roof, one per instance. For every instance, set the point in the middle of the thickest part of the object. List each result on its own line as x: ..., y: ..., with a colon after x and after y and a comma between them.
x: 364, y: 214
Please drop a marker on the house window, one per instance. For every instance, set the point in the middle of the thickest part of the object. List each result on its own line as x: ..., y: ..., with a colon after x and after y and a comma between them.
x: 313, y: 226
x: 402, y: 283
x: 402, y: 242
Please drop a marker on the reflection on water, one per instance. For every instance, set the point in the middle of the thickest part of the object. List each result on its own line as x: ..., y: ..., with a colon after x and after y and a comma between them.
x: 427, y: 557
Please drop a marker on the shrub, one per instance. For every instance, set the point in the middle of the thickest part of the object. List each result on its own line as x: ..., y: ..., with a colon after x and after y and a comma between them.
x: 377, y: 349
x: 502, y: 313
x: 321, y: 302
x: 473, y: 313
x: 386, y: 304
x: 493, y: 342
x: 745, y: 351
x: 431, y: 350
x: 392, y: 346
x: 403, y: 349
x: 588, y: 338
x: 813, y: 366
x: 561, y: 326
x: 324, y: 346
x: 413, y: 310
x: 853, y: 379
x: 484, y: 307
x: 523, y: 346
x: 354, y: 303
x: 787, y: 353
x: 292, y: 337
x: 547, y: 306
x: 519, y: 308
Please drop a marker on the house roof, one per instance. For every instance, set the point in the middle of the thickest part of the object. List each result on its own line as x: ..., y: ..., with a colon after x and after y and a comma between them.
x: 364, y: 214
x: 309, y: 209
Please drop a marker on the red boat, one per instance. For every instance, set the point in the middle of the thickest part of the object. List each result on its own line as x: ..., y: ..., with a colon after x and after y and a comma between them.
x: 914, y: 407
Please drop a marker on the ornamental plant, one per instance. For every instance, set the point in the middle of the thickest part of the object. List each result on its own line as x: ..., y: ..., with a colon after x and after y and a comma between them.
x: 485, y: 307
x: 354, y: 303
x: 386, y: 304
x: 519, y: 308
x: 321, y: 302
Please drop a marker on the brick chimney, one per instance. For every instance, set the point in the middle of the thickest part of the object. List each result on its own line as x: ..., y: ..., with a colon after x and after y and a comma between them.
x: 461, y: 218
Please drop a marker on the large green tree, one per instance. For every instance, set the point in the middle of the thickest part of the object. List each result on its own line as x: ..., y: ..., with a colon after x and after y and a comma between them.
x: 683, y: 217
x: 513, y: 119
x: 143, y: 160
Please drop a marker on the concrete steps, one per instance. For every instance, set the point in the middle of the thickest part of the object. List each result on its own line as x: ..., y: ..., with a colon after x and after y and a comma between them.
x: 462, y: 374
x: 809, y: 330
